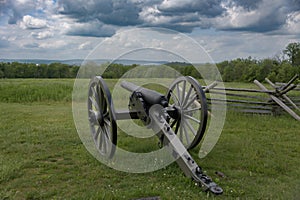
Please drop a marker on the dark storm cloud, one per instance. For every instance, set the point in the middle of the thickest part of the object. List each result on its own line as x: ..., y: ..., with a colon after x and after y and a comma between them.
x: 208, y: 8
x: 93, y: 29
x: 119, y: 13
x: 84, y: 11
x: 124, y: 13
x: 249, y: 5
x: 295, y: 4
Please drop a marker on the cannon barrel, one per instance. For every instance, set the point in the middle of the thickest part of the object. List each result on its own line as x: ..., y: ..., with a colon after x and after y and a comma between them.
x: 150, y: 96
x: 129, y: 86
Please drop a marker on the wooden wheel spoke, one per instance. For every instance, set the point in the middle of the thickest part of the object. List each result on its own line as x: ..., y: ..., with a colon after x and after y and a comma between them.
x: 109, y: 142
x: 96, y: 136
x: 189, y: 125
x: 95, y: 94
x: 101, y: 100
x: 94, y: 103
x: 187, y: 95
x: 192, y: 118
x: 175, y: 98
x: 178, y: 94
x: 192, y: 110
x: 186, y: 133
x: 100, y: 140
x: 183, y: 92
x: 92, y: 117
x: 191, y: 100
x: 104, y: 141
x: 107, y: 122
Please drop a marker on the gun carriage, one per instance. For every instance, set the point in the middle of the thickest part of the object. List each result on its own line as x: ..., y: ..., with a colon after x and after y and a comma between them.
x: 178, y: 118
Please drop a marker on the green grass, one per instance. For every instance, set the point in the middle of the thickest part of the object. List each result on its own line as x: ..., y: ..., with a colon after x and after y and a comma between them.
x: 35, y: 90
x: 42, y: 156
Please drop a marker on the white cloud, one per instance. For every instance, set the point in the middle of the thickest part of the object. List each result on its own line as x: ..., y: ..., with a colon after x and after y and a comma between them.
x: 42, y: 35
x: 268, y: 17
x: 236, y: 17
x: 29, y: 22
x: 167, y: 4
x: 293, y: 23
x: 22, y: 1
x: 85, y: 45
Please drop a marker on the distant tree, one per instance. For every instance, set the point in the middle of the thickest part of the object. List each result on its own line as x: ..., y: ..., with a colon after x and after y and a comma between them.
x: 292, y: 51
x: 265, y: 68
x: 9, y: 70
x: 285, y: 72
x: 74, y: 70
x: 2, y: 75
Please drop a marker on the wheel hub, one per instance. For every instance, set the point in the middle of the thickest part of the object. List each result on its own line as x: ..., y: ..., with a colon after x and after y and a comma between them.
x: 174, y: 112
x: 97, y: 118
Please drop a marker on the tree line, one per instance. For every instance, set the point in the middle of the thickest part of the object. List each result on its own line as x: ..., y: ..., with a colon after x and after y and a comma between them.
x: 240, y: 70
x: 31, y: 70
x: 282, y: 68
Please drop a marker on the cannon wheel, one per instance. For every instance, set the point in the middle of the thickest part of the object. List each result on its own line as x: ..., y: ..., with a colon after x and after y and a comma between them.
x: 187, y: 96
x: 102, y: 117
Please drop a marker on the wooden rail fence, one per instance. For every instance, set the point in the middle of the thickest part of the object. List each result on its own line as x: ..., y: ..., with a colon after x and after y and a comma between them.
x: 282, y: 97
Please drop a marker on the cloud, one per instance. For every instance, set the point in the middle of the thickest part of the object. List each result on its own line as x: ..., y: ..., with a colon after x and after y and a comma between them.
x: 49, y: 26
x: 246, y: 4
x: 31, y: 45
x: 208, y: 8
x: 29, y: 22
x: 85, y: 45
x: 266, y: 17
x: 184, y: 16
x: 57, y: 44
x: 102, y: 16
x: 183, y: 23
x: 42, y: 35
x: 293, y: 23
x: 15, y: 10
x: 120, y: 12
x: 92, y: 29
x: 178, y: 15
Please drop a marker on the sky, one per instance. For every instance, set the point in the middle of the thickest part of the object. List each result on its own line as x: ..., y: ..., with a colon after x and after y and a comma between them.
x: 71, y: 29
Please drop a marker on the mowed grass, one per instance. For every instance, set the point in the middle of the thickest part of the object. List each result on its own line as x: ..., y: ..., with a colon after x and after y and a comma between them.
x: 42, y: 156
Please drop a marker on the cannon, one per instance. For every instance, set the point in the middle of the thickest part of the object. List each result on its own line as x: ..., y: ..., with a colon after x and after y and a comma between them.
x: 178, y: 119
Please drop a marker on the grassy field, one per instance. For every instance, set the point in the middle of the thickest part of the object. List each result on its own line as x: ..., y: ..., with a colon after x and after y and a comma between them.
x: 42, y: 156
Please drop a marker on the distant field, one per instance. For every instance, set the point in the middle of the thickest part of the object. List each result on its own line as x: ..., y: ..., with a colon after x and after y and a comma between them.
x: 42, y: 156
